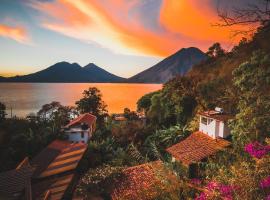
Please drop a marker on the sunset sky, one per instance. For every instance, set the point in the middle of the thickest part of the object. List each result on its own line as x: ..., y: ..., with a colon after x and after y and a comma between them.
x: 121, y: 36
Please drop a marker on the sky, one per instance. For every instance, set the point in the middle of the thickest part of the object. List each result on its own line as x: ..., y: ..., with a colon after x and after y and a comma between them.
x: 123, y: 37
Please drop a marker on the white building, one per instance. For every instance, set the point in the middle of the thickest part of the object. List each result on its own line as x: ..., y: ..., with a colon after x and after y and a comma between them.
x: 81, y: 128
x: 215, y: 123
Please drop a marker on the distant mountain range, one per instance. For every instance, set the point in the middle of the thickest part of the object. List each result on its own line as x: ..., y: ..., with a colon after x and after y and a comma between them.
x: 177, y: 64
x: 63, y: 72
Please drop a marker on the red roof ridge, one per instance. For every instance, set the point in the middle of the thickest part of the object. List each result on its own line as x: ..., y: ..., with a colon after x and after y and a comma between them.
x: 84, y: 118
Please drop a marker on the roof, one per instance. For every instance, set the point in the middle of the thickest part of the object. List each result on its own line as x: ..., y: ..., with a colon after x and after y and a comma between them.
x: 196, y: 147
x: 87, y: 118
x: 143, y: 182
x: 58, y: 157
x: 56, y: 187
x: 216, y: 115
x: 13, y: 182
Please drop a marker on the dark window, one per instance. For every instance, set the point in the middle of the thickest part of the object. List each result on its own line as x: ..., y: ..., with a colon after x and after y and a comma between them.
x: 204, y: 120
x: 82, y: 134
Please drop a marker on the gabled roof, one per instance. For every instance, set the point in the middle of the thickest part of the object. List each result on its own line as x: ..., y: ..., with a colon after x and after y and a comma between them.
x: 216, y: 115
x: 143, y: 182
x: 86, y: 118
x: 196, y: 147
x: 14, y: 182
x: 58, y: 157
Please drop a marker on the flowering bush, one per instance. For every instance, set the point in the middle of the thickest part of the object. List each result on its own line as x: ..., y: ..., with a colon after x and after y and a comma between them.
x: 202, y: 196
x: 265, y: 183
x: 257, y: 150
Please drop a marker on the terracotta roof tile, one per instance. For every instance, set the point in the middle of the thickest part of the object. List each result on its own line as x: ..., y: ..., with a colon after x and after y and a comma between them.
x: 56, y: 186
x: 87, y: 118
x: 13, y: 182
x: 196, y: 147
x: 57, y: 157
x: 142, y: 182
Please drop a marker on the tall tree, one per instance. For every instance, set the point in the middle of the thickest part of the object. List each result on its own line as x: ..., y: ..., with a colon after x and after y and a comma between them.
x: 252, y: 79
x: 92, y: 103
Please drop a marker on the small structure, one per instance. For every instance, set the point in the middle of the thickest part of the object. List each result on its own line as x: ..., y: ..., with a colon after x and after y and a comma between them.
x: 146, y: 181
x: 207, y: 141
x: 81, y: 128
x: 214, y: 123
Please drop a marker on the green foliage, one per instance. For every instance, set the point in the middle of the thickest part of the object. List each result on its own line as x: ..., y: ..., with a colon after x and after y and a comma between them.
x: 156, y: 143
x: 130, y: 115
x: 252, y: 80
x: 2, y: 111
x: 215, y: 50
x: 92, y: 103
x: 98, y: 181
x: 144, y: 103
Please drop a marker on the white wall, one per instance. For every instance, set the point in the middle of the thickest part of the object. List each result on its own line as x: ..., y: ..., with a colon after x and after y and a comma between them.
x: 214, y: 128
x: 76, y: 137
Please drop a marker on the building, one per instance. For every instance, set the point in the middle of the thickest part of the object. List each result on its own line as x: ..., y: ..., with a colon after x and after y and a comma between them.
x: 215, y: 123
x: 144, y: 182
x: 81, y: 128
x: 51, y: 175
x: 210, y: 139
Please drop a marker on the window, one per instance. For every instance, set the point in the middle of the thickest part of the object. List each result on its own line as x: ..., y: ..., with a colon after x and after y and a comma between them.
x: 82, y: 134
x: 209, y: 120
x: 204, y: 120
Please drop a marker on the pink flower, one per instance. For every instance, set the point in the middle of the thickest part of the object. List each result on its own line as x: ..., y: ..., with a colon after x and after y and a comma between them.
x: 202, y: 196
x: 268, y: 197
x: 265, y: 183
x: 211, y: 186
x: 257, y: 150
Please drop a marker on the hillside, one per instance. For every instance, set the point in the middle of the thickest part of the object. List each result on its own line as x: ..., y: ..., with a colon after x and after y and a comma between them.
x: 223, y: 66
x: 177, y: 64
x: 66, y: 72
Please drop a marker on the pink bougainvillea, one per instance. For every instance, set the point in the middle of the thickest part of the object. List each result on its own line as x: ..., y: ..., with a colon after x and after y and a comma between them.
x: 257, y: 150
x: 265, y: 183
x: 202, y: 196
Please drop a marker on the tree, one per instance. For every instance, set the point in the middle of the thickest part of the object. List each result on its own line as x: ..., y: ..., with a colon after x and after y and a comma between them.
x: 130, y: 115
x: 215, y: 50
x: 2, y: 111
x: 144, y: 103
x: 250, y: 15
x: 92, y: 103
x: 252, y: 79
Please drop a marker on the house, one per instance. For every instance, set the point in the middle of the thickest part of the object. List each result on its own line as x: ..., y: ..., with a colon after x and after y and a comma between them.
x: 81, y: 128
x: 215, y: 123
x: 144, y: 182
x: 210, y: 139
x: 51, y: 175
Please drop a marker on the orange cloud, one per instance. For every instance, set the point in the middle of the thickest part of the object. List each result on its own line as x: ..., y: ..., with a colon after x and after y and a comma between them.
x: 193, y: 19
x: 108, y: 23
x: 16, y: 33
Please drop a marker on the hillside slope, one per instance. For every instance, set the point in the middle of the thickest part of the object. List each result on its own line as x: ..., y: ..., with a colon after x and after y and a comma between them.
x: 177, y: 64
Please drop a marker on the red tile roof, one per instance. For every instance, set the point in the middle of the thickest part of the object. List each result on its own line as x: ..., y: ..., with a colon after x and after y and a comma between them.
x: 56, y: 187
x: 143, y: 182
x: 14, y: 182
x: 59, y: 156
x: 216, y: 115
x: 87, y: 118
x: 196, y: 147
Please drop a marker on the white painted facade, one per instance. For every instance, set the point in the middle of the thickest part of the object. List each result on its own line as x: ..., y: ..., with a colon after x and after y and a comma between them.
x: 77, y: 134
x: 213, y: 127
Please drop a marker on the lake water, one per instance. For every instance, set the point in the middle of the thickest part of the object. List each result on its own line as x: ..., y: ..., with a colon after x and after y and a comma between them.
x: 25, y: 98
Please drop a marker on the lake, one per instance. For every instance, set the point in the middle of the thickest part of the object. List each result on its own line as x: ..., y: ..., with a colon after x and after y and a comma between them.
x: 25, y: 98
